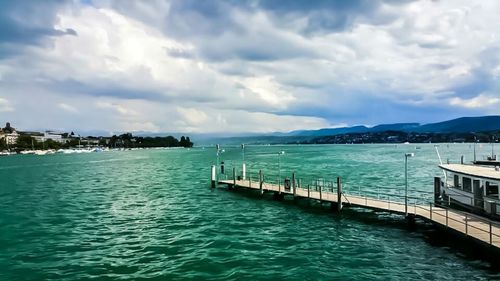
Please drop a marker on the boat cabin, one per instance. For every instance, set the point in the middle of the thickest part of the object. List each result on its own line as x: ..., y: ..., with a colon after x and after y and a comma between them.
x: 472, y: 187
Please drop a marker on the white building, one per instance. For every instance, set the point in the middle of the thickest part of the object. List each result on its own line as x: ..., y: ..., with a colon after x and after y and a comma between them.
x: 10, y: 138
x: 48, y: 135
x: 9, y: 134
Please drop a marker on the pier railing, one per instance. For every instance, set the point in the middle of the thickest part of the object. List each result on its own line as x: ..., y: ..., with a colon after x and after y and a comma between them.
x: 469, y: 224
x: 419, y: 206
x: 323, y: 185
x: 417, y: 203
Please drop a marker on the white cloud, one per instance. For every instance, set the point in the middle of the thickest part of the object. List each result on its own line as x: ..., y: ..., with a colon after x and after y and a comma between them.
x: 480, y: 101
x: 5, y: 106
x: 68, y: 108
x: 116, y: 108
x: 131, y: 69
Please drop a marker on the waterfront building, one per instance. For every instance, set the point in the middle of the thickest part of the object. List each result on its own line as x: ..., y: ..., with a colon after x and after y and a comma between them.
x: 9, y: 133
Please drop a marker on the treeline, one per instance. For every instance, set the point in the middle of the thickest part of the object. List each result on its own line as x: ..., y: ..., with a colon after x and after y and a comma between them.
x: 129, y: 141
x: 401, y: 137
x: 27, y: 142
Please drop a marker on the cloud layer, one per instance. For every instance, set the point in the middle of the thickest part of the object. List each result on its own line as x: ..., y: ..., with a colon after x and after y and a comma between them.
x: 245, y: 66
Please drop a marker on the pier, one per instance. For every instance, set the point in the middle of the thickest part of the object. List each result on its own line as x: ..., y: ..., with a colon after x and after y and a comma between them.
x: 476, y: 228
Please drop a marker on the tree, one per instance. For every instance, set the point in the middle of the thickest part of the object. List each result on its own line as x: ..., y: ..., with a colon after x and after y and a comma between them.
x: 25, y: 142
x: 3, y: 144
x: 188, y: 142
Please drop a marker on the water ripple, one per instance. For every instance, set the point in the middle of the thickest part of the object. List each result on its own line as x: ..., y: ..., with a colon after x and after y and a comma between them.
x: 141, y: 215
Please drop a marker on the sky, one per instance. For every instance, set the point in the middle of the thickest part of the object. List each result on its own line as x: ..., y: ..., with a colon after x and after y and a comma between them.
x: 245, y: 66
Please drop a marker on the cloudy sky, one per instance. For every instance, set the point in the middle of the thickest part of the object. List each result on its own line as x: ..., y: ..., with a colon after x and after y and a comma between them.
x: 253, y: 66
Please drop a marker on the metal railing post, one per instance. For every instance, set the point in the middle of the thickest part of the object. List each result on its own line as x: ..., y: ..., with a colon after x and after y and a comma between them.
x: 320, y: 190
x: 446, y: 217
x: 234, y: 177
x: 491, y: 236
x: 466, y: 225
x: 430, y: 211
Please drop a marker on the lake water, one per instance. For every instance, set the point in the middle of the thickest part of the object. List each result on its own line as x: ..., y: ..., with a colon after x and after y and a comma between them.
x: 150, y: 215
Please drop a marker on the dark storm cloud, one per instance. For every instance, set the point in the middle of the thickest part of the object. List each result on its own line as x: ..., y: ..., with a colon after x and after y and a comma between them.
x: 28, y: 23
x: 105, y: 88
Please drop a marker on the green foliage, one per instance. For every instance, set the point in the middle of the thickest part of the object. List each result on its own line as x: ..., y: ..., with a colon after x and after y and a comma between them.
x: 185, y: 142
x: 129, y: 141
x: 3, y: 144
x: 25, y: 142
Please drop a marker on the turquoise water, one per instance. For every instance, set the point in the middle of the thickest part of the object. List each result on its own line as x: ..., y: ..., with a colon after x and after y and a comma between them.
x: 150, y: 214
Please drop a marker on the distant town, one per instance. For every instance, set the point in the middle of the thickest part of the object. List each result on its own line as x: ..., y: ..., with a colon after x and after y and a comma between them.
x: 13, y: 141
x: 402, y: 137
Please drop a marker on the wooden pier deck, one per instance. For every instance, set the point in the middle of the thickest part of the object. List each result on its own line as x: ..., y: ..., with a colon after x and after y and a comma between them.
x: 475, y: 227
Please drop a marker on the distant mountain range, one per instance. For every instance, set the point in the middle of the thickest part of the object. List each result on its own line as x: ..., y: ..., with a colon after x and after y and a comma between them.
x: 459, y: 125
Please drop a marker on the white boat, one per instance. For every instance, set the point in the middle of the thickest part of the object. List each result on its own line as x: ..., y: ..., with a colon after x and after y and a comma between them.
x: 471, y: 187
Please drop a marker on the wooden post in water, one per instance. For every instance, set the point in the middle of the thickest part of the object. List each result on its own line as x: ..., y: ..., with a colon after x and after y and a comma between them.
x: 294, y: 186
x: 212, y: 178
x: 339, y: 194
x: 308, y: 191
x: 261, y: 181
x: 437, y: 189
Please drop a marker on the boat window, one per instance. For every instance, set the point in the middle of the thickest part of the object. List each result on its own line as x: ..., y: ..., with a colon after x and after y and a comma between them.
x: 456, y: 181
x: 467, y: 184
x: 491, y: 189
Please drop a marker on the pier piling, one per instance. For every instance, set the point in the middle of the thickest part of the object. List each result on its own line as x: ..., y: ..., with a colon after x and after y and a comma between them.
x: 261, y: 181
x: 339, y: 194
x: 213, y: 176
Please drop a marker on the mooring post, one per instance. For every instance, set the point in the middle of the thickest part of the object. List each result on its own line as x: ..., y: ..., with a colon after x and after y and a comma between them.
x: 308, y: 191
x: 261, y: 181
x: 437, y: 189
x: 294, y: 186
x: 339, y: 194
x: 212, y: 178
